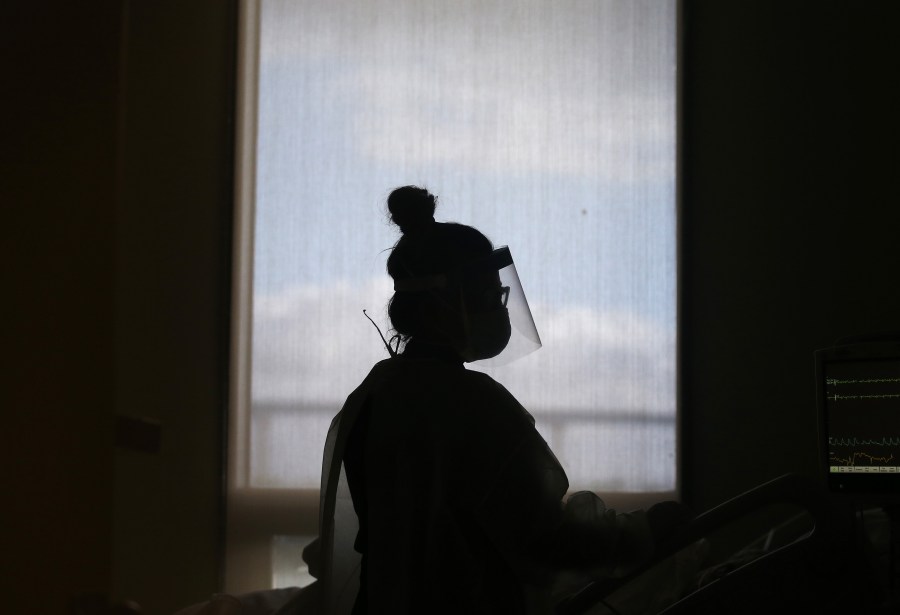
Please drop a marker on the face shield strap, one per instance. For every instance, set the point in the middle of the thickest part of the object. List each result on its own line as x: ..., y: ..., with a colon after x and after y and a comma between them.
x: 415, y: 285
x: 495, y: 261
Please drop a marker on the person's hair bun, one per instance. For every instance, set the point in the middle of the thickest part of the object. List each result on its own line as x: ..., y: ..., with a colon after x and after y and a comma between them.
x: 412, y: 208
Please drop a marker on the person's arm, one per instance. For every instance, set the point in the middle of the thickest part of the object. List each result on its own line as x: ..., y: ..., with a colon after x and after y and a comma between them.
x: 591, y: 536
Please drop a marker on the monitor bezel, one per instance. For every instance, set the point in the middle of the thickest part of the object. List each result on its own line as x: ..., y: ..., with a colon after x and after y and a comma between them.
x: 855, y: 484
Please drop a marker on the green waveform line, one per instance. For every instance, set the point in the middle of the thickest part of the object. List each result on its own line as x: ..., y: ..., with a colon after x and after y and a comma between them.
x: 836, y: 381
x: 863, y: 442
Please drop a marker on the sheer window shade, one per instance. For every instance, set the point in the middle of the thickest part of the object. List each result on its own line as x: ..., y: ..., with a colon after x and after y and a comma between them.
x: 550, y: 126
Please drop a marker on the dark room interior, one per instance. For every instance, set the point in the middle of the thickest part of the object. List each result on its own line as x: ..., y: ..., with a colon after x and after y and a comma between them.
x: 118, y: 170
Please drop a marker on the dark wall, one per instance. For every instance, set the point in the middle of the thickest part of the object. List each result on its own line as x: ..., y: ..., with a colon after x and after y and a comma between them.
x: 173, y: 234
x: 58, y: 186
x: 789, y: 223
x: 116, y: 184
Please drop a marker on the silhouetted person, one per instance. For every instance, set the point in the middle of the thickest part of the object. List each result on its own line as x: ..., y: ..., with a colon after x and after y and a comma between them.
x: 459, y: 500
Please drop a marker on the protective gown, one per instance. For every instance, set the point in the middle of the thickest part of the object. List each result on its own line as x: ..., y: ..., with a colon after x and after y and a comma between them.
x: 439, y: 496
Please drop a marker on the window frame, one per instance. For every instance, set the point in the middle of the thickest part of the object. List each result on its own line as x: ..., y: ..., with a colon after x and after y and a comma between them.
x: 255, y: 515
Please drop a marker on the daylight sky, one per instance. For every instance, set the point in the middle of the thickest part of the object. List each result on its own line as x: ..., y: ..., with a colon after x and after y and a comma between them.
x: 550, y: 126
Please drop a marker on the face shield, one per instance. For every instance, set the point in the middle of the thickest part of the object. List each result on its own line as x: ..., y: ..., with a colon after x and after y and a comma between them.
x: 497, y: 324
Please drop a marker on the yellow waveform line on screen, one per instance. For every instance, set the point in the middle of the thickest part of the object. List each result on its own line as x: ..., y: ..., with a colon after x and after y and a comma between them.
x: 837, y: 397
x: 851, y: 460
x: 864, y: 441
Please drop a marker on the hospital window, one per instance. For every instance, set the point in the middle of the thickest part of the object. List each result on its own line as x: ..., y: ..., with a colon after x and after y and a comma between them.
x: 550, y: 125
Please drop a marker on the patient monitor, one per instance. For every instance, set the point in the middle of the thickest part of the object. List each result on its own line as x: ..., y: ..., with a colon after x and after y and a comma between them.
x: 858, y: 399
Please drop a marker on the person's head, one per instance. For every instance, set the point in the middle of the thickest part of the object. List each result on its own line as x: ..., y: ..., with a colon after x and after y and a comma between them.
x: 440, y: 299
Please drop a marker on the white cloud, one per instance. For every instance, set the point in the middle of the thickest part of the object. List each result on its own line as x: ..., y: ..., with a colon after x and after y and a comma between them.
x: 505, y: 125
x: 603, y: 360
x: 313, y: 344
x: 562, y: 88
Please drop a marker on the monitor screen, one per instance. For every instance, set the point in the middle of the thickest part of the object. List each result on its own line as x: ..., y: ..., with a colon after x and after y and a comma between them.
x: 859, y: 408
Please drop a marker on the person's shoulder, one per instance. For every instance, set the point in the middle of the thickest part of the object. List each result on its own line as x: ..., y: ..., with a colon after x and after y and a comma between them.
x: 383, y: 366
x: 487, y: 392
x: 404, y: 377
x: 467, y: 391
x: 378, y: 373
x: 488, y: 385
x: 481, y: 379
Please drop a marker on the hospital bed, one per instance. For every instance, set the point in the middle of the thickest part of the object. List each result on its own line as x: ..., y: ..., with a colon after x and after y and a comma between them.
x: 808, y: 555
x: 824, y: 545
x: 792, y: 545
